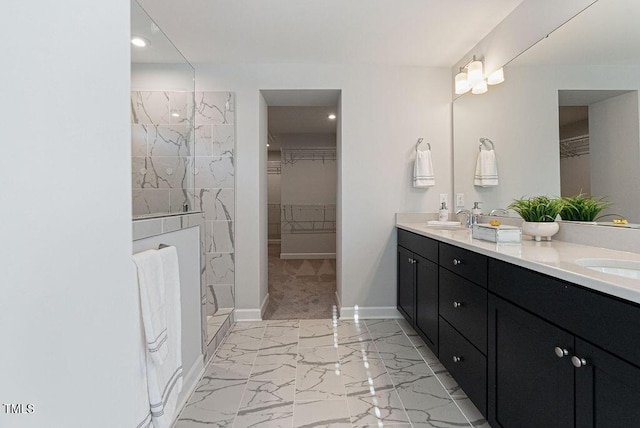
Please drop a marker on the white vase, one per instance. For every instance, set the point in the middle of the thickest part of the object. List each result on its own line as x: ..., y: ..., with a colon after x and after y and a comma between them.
x: 539, y: 230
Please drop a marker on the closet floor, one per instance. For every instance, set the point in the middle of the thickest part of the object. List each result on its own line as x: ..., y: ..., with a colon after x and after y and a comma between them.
x: 327, y: 373
x: 300, y: 289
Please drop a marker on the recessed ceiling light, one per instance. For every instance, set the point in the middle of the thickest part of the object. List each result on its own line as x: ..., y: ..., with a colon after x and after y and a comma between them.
x: 139, y: 42
x: 332, y: 116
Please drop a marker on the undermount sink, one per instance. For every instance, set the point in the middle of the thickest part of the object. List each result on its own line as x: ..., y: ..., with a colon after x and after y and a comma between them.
x: 623, y: 268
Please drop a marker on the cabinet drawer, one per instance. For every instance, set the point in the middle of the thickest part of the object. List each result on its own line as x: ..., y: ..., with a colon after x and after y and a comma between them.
x: 465, y: 363
x: 611, y: 323
x: 464, y: 305
x: 467, y: 264
x: 421, y: 245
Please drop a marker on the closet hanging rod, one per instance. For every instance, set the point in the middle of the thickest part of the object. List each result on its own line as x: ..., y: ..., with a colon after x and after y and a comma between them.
x: 420, y: 140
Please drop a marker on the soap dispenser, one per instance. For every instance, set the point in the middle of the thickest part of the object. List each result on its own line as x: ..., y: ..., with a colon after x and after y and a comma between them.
x: 476, y: 212
x: 444, y: 212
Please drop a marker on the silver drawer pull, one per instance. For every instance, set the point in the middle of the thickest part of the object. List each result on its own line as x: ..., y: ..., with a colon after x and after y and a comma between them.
x: 560, y: 352
x: 578, y: 362
x: 457, y: 359
x: 457, y: 304
x: 457, y: 262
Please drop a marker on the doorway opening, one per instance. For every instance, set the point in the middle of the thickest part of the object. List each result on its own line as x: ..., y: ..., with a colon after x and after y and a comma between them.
x: 302, y: 187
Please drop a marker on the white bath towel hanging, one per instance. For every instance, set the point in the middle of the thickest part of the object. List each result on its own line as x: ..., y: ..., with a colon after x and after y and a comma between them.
x: 142, y: 406
x: 486, y: 169
x: 152, y: 301
x: 423, y: 170
x: 165, y: 380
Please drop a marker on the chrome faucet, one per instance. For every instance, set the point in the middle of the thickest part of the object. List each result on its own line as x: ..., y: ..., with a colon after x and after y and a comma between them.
x: 469, y: 222
x: 499, y: 211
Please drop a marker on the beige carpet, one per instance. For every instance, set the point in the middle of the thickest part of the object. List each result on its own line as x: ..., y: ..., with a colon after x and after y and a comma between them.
x: 300, y: 289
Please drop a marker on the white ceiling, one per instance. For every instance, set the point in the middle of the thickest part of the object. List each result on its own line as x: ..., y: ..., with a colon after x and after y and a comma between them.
x: 390, y: 32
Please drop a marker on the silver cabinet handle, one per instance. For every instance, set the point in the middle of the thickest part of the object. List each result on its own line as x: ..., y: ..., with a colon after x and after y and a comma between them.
x: 457, y: 359
x: 410, y: 260
x: 457, y: 262
x: 560, y: 352
x: 457, y: 304
x: 578, y: 362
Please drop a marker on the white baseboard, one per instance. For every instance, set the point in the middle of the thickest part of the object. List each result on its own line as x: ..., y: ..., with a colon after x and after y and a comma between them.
x: 251, y: 314
x: 370, y: 312
x: 338, y: 301
x: 297, y: 256
x: 274, y: 241
x: 248, y: 315
x: 263, y: 306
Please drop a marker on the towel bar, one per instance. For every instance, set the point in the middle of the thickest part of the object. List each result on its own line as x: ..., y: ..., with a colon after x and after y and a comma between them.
x: 484, y: 141
x: 420, y: 140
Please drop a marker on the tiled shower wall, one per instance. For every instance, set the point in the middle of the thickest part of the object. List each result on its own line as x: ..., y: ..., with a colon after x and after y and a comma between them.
x: 162, y: 151
x: 172, y: 165
x: 214, y: 192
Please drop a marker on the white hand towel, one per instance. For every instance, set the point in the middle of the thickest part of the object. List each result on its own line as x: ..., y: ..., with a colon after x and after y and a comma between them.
x: 423, y: 169
x: 152, y: 301
x: 165, y: 380
x: 486, y: 169
x: 142, y: 405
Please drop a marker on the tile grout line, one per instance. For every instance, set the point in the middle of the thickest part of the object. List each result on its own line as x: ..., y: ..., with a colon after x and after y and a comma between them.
x: 235, y: 418
x: 436, y: 376
x: 387, y: 371
x: 334, y: 324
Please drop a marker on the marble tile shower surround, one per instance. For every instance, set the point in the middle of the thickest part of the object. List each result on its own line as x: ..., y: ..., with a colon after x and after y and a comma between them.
x: 209, y: 154
x: 162, y: 150
x: 327, y: 373
x: 214, y: 192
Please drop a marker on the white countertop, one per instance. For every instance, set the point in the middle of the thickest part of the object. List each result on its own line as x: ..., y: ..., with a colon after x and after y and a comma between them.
x: 555, y: 258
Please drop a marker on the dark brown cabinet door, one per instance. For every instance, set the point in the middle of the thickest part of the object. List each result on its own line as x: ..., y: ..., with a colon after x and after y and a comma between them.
x: 406, y: 284
x: 427, y: 301
x: 607, y: 389
x: 529, y: 385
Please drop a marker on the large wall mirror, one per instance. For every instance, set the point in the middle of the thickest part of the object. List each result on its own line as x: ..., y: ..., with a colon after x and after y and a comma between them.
x: 162, y: 121
x: 566, y: 120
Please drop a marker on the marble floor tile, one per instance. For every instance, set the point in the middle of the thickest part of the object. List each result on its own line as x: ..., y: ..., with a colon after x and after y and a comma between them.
x: 472, y: 413
x: 376, y: 406
x: 358, y: 350
x: 278, y: 328
x: 315, y: 333
x: 321, y: 413
x: 241, y: 353
x: 383, y: 328
x: 319, y: 382
x: 327, y: 373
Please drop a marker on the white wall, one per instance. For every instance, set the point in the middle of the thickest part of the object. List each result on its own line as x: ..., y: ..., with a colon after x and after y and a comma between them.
x: 575, y: 171
x: 383, y: 112
x: 67, y: 306
x: 521, y: 117
x: 615, y: 153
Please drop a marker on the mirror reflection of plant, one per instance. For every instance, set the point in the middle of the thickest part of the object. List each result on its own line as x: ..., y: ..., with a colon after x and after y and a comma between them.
x: 582, y: 208
x: 537, y: 209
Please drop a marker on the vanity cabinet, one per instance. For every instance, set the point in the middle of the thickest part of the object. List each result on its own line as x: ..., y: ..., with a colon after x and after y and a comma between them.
x: 528, y: 349
x: 463, y: 320
x: 418, y: 284
x: 549, y: 363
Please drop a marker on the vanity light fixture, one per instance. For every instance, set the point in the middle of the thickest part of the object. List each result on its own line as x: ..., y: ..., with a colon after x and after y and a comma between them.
x: 475, y: 71
x: 496, y: 77
x: 471, y: 77
x: 480, y: 88
x: 139, y: 42
x: 332, y: 116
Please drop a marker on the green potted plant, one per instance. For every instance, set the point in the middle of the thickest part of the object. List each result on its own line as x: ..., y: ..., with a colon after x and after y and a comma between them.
x: 582, y: 208
x: 539, y: 214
